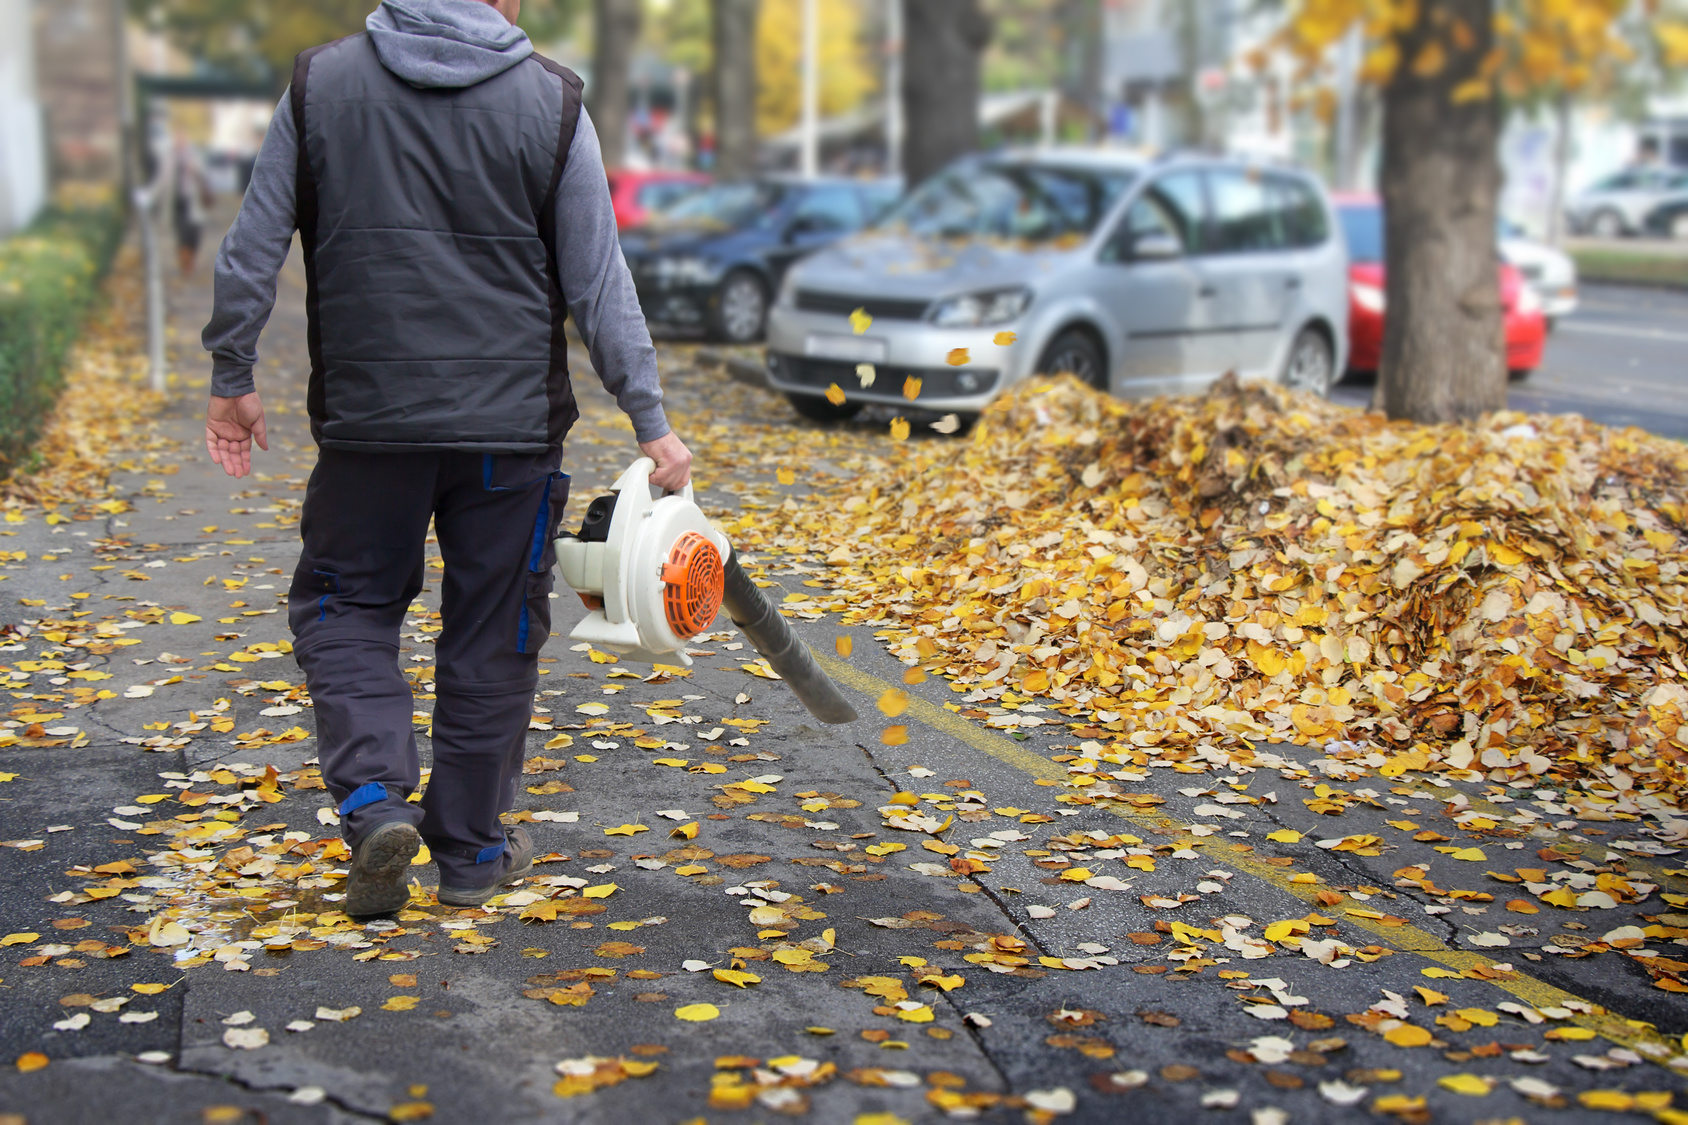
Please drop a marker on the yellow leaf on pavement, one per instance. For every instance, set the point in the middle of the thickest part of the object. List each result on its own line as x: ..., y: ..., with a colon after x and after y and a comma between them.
x: 602, y: 890
x: 697, y: 1013
x: 627, y: 830
x: 737, y: 977
x: 1408, y: 1035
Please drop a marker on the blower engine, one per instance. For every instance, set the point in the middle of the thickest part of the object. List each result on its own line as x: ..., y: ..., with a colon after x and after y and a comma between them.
x: 653, y: 575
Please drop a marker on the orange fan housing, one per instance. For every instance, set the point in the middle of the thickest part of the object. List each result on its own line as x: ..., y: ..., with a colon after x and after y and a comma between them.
x: 695, y: 582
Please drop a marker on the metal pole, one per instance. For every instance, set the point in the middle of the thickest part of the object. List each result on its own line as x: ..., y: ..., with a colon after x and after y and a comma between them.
x: 1348, y: 65
x: 811, y: 83
x: 893, y: 87
x: 155, y: 284
x: 147, y: 200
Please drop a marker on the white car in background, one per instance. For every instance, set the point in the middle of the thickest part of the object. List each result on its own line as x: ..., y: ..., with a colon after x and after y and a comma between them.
x: 1550, y: 272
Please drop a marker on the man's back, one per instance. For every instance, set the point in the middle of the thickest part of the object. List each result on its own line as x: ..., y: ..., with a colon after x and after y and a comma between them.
x: 425, y: 212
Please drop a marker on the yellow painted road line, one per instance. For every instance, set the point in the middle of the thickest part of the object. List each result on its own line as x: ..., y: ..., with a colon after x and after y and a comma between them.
x: 1407, y: 938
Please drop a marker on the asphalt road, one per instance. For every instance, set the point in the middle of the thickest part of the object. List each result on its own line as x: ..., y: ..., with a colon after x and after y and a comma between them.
x: 1111, y: 1015
x: 1617, y: 360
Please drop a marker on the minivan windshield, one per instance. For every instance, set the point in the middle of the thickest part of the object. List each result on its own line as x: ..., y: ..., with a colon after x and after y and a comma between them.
x: 1362, y: 225
x: 1036, y: 203
x: 724, y: 206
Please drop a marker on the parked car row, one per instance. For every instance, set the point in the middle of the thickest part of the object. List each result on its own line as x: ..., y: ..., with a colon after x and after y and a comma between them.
x: 1138, y: 276
x: 1639, y: 200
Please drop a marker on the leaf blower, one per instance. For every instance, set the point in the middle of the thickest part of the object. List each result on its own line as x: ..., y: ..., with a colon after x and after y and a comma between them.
x: 653, y: 575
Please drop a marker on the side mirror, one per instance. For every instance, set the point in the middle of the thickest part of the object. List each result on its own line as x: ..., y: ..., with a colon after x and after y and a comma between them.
x: 1155, y: 247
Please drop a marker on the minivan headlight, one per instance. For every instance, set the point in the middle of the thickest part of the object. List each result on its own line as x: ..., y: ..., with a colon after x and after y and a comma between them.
x: 997, y: 306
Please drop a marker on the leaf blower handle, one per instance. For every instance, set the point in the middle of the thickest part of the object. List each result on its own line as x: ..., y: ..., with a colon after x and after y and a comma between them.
x: 773, y: 637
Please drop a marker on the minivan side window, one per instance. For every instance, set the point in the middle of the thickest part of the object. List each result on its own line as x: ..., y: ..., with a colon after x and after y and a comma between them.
x: 1301, y: 217
x: 1149, y: 215
x: 1245, y: 219
x: 1183, y: 201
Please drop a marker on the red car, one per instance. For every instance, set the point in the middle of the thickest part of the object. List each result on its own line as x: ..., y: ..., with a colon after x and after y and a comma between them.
x: 636, y: 195
x: 1362, y: 222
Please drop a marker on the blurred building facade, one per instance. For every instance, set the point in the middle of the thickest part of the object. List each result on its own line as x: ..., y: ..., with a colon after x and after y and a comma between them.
x: 23, y: 157
x: 80, y: 76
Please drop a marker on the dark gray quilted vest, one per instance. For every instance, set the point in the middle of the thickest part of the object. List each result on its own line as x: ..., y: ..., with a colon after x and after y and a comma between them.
x: 427, y: 221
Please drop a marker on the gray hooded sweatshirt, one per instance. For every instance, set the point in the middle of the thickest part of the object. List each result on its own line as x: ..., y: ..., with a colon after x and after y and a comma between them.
x: 432, y: 44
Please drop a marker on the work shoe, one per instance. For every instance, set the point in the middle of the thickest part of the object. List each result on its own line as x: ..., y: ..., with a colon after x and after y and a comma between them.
x: 379, y: 862
x: 516, y: 861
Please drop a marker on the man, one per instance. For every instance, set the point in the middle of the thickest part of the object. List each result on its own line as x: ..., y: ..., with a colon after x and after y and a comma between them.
x: 452, y: 206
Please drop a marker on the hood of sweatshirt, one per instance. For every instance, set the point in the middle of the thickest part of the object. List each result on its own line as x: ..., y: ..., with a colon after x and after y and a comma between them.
x: 445, y: 43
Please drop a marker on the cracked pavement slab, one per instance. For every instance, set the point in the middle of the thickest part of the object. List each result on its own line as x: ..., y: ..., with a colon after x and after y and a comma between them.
x: 1082, y: 995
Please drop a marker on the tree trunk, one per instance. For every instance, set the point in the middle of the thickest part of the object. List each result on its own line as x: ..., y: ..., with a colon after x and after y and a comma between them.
x: 943, y: 42
x: 615, y: 26
x: 735, y: 86
x: 1443, y: 344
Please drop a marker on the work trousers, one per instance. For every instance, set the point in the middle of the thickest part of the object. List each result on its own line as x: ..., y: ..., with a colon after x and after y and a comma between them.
x: 364, y: 526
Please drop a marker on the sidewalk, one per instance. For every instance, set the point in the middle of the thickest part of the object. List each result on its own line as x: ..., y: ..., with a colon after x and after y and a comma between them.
x: 741, y: 915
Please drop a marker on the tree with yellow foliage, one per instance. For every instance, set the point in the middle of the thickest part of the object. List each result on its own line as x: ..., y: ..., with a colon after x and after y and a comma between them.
x: 847, y: 70
x: 1444, y: 68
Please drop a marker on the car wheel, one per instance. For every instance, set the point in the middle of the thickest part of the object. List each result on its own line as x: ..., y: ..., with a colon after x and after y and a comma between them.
x: 1606, y: 223
x: 1310, y: 365
x: 1679, y: 226
x: 818, y: 409
x: 741, y: 307
x: 1075, y: 353
x: 1519, y: 374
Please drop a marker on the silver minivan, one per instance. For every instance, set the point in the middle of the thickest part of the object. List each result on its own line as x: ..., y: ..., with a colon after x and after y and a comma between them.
x: 1140, y: 277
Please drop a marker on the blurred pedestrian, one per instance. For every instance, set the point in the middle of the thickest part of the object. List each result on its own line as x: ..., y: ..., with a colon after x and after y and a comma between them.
x: 190, y: 199
x: 453, y: 209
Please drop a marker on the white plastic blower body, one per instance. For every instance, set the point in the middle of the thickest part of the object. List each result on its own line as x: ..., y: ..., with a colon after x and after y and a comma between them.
x: 653, y: 575
x: 654, y: 580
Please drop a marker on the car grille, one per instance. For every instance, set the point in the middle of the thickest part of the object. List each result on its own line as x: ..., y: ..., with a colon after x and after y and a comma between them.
x: 810, y: 300
x: 936, y: 382
x: 1531, y: 273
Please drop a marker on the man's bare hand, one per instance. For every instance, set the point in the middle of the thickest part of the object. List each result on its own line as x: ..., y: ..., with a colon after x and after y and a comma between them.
x: 233, y: 424
x: 673, y: 461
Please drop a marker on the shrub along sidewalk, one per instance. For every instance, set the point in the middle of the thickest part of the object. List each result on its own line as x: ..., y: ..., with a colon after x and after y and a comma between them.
x: 49, y: 276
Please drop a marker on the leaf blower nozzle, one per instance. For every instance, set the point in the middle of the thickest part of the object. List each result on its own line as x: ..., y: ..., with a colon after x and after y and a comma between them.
x: 773, y: 637
x: 653, y: 574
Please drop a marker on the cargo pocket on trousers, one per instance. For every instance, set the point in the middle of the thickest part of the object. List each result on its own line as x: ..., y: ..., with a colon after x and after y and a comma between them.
x: 535, y: 625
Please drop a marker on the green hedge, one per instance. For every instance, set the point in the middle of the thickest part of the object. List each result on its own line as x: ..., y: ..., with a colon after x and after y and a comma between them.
x: 1639, y: 266
x: 49, y: 275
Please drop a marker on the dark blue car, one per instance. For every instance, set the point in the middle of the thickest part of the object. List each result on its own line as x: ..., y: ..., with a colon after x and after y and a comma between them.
x: 715, y: 260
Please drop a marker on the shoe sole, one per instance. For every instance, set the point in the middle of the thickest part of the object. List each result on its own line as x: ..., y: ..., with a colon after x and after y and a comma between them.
x: 465, y: 897
x: 376, y: 884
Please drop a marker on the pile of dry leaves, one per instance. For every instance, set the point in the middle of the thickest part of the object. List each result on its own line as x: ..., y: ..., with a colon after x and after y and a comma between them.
x: 1186, y: 574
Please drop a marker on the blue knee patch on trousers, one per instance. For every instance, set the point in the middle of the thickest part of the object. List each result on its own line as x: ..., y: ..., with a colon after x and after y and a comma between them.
x: 365, y: 794
x: 487, y: 855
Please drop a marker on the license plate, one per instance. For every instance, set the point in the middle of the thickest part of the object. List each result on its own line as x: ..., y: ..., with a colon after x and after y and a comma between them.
x: 857, y: 349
